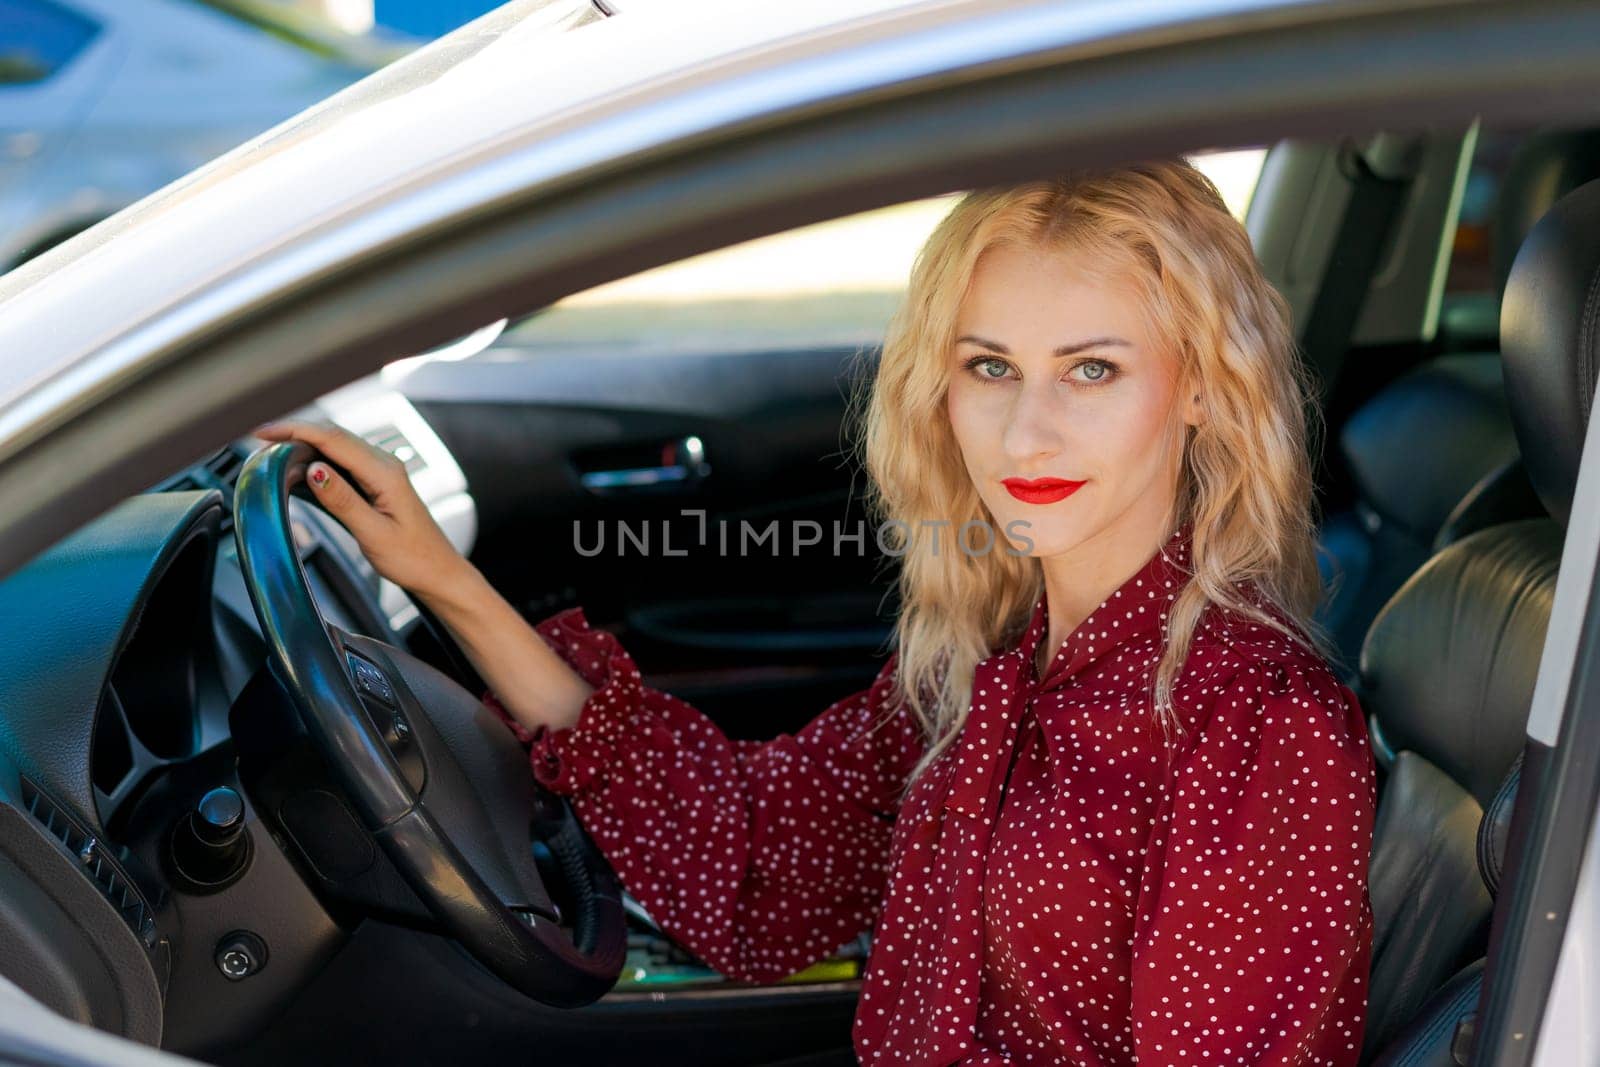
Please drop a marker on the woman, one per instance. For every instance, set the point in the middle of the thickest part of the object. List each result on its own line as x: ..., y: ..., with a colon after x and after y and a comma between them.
x: 1105, y: 802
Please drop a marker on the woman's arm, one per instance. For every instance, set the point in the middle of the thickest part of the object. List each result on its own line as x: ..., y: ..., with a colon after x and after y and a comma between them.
x: 759, y: 856
x: 1253, y: 936
x: 530, y: 680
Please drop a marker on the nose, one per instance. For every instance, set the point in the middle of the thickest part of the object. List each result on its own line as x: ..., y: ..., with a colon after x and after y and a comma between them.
x: 1032, y: 430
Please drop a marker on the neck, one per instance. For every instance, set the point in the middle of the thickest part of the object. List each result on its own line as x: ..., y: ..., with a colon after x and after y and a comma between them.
x: 1079, y: 580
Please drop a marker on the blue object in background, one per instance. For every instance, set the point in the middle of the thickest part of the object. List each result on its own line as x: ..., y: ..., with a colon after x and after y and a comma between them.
x: 428, y: 18
x: 105, y: 101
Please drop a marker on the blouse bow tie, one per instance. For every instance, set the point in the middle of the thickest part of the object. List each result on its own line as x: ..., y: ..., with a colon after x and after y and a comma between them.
x: 983, y: 752
x: 982, y: 758
x: 948, y: 846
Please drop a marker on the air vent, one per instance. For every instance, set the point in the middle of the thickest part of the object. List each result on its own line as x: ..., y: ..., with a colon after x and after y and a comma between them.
x: 225, y: 465
x: 219, y: 471
x: 391, y: 440
x: 93, y: 859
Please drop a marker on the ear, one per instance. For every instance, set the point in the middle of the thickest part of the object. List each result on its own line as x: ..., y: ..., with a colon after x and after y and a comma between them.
x: 1190, y: 392
x: 1194, y: 412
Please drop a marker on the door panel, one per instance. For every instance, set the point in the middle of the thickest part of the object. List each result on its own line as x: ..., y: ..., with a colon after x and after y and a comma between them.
x: 586, y: 494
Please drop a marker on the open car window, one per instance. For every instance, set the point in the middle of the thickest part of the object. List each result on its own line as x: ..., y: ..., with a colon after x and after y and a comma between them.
x: 834, y: 283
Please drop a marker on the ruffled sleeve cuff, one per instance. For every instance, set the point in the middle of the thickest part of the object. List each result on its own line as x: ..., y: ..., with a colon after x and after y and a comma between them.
x: 567, y: 760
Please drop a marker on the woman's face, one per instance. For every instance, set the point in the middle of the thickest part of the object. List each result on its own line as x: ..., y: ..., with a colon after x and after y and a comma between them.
x: 1056, y: 375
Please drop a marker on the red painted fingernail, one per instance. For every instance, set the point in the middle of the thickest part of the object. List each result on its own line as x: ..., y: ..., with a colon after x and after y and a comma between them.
x: 319, y: 476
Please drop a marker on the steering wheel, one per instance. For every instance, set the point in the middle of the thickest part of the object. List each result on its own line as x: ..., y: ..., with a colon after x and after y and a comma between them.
x: 436, y: 778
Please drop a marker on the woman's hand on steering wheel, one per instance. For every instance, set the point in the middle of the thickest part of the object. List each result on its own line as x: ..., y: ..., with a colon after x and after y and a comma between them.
x: 391, y: 524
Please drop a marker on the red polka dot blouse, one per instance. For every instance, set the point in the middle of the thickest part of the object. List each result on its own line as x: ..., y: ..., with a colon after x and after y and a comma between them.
x: 1066, y: 884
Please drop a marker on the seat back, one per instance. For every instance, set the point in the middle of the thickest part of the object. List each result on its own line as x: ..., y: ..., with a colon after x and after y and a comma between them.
x: 1447, y: 675
x: 1415, y: 450
x: 1440, y: 1034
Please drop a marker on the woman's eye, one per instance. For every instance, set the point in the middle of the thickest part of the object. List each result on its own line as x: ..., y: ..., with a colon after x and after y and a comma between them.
x: 1095, y: 370
x: 988, y: 368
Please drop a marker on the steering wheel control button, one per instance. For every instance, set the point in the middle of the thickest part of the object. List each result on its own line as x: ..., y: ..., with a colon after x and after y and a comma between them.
x: 398, y: 735
x: 240, y: 955
x: 370, y: 680
x: 209, y: 847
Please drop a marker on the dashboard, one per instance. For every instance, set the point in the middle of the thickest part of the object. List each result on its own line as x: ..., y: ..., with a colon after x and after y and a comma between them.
x: 132, y: 647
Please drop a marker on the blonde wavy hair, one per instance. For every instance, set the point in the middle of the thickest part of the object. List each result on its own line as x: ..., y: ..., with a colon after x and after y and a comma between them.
x: 1246, y: 479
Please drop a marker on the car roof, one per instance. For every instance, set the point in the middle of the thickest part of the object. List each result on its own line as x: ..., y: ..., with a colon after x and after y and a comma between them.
x: 538, y: 91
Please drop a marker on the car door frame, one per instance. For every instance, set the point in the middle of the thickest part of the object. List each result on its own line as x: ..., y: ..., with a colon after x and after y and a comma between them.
x: 1540, y: 987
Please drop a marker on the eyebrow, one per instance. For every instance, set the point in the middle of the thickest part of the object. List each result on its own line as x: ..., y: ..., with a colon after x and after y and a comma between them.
x: 1064, y: 350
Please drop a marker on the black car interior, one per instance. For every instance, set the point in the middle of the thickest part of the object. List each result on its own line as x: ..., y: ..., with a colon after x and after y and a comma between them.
x: 1432, y: 456
x: 236, y: 880
x: 1550, y: 351
x: 1447, y: 673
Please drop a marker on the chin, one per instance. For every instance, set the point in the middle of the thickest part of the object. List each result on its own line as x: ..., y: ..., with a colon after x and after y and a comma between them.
x: 1048, y: 539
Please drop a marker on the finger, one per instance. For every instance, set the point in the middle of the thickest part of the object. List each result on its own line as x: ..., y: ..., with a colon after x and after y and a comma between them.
x: 280, y: 429
x: 344, y: 503
x: 372, y: 468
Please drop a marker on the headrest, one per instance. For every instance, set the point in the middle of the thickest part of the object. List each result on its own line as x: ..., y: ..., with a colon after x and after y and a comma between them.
x: 1500, y: 496
x: 1418, y: 446
x: 1550, y: 339
x: 1448, y: 666
x: 1495, y: 828
x: 1545, y: 167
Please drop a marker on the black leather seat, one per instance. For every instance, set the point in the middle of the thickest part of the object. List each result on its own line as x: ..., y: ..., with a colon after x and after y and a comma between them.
x: 1551, y: 348
x: 1440, y: 1034
x: 1416, y: 450
x: 1433, y: 454
x: 1447, y: 674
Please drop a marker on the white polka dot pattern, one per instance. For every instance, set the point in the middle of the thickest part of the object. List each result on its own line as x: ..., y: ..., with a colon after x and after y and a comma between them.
x: 1123, y: 897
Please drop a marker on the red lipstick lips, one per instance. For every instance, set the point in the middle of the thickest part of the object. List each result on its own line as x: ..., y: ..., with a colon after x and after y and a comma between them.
x: 1040, y: 490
